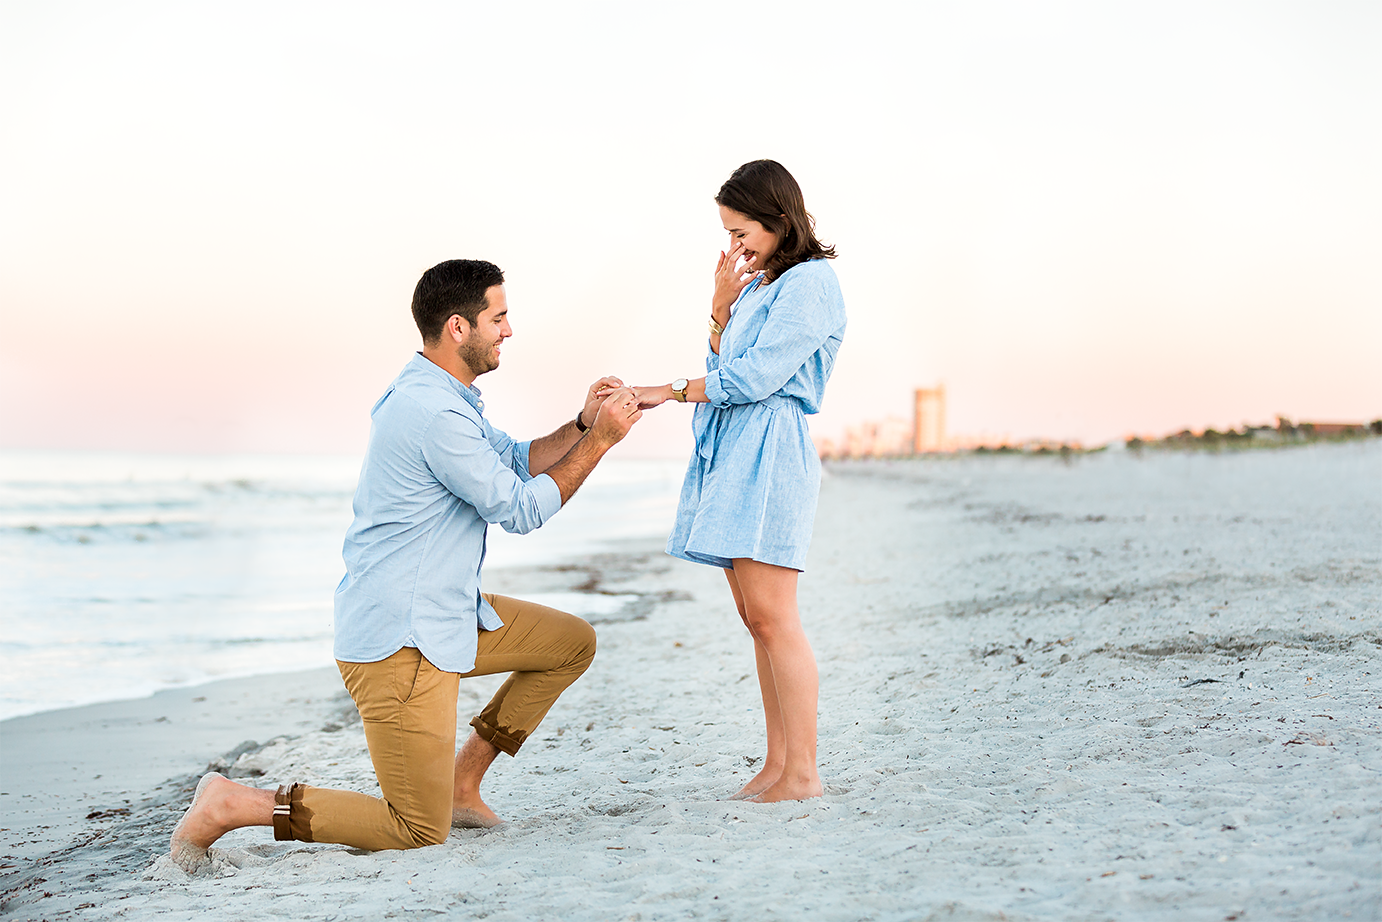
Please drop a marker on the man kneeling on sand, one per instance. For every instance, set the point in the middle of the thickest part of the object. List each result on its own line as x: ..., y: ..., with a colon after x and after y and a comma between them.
x: 410, y: 617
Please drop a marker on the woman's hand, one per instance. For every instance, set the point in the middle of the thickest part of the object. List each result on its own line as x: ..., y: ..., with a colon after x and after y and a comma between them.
x: 648, y: 397
x: 730, y: 279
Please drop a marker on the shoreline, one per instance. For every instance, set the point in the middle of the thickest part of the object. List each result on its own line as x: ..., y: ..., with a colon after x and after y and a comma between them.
x: 543, y: 576
x: 59, y: 766
x: 1117, y: 688
x: 163, y: 690
x: 73, y: 771
x: 129, y: 579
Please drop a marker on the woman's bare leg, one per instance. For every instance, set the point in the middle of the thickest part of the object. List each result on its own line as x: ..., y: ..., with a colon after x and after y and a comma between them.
x: 772, y: 714
x: 769, y: 595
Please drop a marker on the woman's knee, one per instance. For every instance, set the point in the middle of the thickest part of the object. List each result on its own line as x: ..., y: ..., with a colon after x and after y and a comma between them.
x: 742, y: 610
x: 771, y: 626
x: 763, y: 626
x: 755, y: 626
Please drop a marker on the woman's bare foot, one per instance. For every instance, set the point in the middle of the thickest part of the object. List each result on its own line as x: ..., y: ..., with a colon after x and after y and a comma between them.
x: 473, y: 814
x: 197, y: 829
x: 759, y: 783
x: 790, y: 789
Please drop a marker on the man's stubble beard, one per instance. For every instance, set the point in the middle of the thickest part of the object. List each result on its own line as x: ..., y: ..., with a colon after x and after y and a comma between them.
x: 476, y: 359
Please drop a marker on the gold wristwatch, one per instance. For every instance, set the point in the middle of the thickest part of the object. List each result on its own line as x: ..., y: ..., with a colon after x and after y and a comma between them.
x: 679, y: 387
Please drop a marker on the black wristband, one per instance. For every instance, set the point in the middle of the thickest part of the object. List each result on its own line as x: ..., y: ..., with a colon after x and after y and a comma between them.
x: 581, y: 427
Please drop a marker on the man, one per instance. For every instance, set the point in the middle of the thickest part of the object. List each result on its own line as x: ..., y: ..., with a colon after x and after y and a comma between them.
x: 410, y: 617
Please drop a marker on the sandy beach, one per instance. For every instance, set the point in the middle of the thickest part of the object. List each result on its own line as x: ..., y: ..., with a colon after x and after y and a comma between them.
x: 1110, y: 687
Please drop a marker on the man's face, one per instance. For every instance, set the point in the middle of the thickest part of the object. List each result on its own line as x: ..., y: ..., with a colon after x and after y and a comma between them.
x: 480, y: 351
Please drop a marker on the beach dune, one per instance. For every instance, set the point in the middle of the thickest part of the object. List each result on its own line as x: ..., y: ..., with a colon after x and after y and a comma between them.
x: 1106, y: 687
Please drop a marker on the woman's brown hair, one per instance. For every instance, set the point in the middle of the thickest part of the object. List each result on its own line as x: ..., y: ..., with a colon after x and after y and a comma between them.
x: 764, y: 191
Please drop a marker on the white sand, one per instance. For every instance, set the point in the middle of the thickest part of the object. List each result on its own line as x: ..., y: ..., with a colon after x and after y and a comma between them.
x: 1008, y: 725
x: 59, y: 767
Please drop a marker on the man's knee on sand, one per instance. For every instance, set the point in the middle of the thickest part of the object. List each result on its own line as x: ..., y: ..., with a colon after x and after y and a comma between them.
x: 314, y: 814
x: 584, y: 644
x: 430, y: 832
x: 431, y: 828
x: 429, y: 823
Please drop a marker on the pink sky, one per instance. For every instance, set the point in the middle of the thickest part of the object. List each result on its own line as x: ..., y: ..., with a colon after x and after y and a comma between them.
x: 1087, y: 220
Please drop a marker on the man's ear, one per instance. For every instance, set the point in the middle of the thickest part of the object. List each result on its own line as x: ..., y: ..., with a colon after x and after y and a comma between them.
x: 457, y: 328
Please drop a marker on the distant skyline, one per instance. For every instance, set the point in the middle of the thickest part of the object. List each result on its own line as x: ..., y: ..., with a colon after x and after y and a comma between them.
x: 1088, y: 220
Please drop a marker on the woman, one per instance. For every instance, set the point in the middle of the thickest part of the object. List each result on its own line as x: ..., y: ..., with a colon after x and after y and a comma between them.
x: 776, y: 322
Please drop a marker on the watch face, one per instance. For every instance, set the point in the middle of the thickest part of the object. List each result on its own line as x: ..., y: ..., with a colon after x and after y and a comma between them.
x: 679, y: 384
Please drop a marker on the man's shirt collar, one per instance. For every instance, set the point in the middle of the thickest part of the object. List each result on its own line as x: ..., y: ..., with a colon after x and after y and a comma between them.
x: 469, y: 392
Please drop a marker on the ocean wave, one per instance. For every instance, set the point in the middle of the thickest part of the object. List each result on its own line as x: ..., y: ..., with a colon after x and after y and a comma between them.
x: 134, y: 573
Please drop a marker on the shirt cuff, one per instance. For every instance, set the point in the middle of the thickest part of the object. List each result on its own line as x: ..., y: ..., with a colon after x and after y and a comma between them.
x: 715, y: 392
x: 520, y: 459
x: 547, y: 494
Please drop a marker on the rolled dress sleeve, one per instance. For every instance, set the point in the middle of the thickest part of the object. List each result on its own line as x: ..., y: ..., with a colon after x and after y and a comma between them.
x: 800, y: 320
x: 489, y: 471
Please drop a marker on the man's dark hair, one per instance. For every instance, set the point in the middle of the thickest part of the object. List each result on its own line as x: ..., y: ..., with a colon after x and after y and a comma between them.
x: 764, y: 191
x: 456, y: 286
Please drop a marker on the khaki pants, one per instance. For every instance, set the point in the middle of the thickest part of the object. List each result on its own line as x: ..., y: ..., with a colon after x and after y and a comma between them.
x: 408, y: 707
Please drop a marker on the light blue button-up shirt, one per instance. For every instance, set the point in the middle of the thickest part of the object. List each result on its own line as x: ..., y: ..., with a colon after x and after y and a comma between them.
x: 436, y: 474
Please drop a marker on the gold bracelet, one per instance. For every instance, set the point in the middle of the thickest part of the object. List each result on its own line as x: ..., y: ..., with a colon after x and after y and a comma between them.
x: 715, y: 328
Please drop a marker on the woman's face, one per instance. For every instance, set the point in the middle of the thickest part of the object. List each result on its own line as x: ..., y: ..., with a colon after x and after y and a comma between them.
x: 754, y: 237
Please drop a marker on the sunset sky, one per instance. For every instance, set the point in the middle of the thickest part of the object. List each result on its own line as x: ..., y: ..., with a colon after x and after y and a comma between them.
x: 1086, y: 219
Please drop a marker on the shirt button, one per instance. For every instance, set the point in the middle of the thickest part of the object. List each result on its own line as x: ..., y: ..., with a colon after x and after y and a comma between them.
x: 481, y: 404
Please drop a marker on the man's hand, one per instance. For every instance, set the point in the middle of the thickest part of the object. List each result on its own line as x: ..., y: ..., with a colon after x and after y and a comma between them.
x: 616, y: 416
x: 596, y: 396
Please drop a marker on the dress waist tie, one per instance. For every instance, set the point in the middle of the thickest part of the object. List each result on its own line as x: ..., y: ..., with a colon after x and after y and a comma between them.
x: 705, y: 423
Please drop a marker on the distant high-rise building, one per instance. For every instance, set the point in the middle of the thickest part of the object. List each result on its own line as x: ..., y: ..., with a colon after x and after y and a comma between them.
x: 928, y: 420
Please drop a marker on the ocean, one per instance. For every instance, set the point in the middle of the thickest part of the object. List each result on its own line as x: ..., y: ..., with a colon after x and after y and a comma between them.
x: 123, y: 574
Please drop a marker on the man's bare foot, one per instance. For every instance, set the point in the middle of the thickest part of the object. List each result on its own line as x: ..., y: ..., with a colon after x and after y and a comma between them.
x: 197, y: 829
x: 474, y: 814
x: 783, y: 789
x: 759, y: 783
x: 468, y: 809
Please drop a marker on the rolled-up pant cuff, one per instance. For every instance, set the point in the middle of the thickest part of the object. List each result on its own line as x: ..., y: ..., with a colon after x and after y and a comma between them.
x: 292, y: 821
x: 497, y: 738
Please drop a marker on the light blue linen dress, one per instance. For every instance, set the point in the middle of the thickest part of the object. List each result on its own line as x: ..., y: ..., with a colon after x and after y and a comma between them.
x: 751, y: 486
